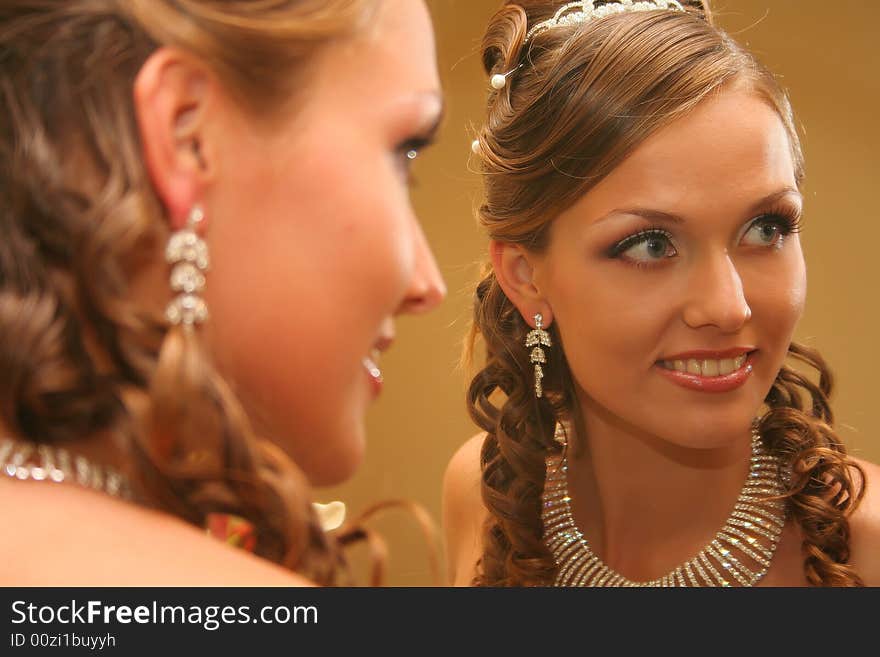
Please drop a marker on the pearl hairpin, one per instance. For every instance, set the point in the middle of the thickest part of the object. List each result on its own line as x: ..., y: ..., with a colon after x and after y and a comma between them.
x: 499, y: 80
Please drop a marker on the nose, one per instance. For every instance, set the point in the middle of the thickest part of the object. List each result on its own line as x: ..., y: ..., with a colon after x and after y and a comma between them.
x: 716, y: 296
x: 426, y: 289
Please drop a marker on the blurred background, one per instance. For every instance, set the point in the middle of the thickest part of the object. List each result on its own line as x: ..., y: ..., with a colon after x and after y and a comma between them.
x: 827, y: 57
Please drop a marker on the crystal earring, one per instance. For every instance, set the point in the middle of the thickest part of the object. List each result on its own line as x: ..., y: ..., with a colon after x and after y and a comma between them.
x: 187, y: 253
x: 537, y: 337
x: 560, y: 435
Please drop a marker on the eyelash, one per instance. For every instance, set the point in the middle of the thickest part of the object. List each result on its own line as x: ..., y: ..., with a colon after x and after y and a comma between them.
x: 414, y: 145
x: 784, y: 219
x: 637, y: 238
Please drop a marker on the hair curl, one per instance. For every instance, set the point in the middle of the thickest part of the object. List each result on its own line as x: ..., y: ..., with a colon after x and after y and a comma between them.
x: 79, y: 216
x: 579, y: 100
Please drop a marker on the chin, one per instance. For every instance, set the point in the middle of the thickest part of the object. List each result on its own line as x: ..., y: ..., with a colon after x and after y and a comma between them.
x: 718, y: 432
x: 332, y: 476
x: 338, y: 465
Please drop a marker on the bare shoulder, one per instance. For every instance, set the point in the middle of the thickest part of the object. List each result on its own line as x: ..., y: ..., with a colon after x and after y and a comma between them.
x: 68, y: 536
x: 463, y: 472
x: 865, y: 527
x: 463, y: 511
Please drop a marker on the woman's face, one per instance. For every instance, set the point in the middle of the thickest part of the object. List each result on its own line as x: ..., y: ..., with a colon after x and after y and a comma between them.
x: 684, y: 258
x: 315, y: 247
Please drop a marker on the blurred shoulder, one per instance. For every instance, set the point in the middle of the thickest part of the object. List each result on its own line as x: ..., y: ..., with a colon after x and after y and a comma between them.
x: 463, y: 510
x: 463, y: 470
x: 865, y: 527
x: 69, y: 536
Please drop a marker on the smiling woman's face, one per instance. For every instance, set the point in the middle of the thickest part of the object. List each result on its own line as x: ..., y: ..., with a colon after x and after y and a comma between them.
x: 686, y: 258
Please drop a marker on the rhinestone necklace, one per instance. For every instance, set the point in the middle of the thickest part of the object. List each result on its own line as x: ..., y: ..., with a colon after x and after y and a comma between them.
x: 24, y: 460
x: 739, y: 554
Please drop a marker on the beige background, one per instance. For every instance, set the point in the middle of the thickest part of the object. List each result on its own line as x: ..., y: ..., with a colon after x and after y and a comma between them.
x: 826, y: 54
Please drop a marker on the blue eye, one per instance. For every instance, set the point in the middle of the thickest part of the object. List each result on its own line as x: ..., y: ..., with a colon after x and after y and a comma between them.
x: 645, y: 247
x: 768, y: 230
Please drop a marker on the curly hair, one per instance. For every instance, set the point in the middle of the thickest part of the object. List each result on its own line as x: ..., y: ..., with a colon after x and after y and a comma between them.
x: 79, y: 218
x: 581, y: 99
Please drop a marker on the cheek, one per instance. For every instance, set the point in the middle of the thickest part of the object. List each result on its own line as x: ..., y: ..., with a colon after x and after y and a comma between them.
x: 777, y: 299
x: 325, y: 274
x: 777, y: 291
x: 610, y: 331
x: 306, y: 266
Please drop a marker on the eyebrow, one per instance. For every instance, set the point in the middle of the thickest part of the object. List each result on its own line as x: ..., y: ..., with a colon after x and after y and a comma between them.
x: 658, y: 215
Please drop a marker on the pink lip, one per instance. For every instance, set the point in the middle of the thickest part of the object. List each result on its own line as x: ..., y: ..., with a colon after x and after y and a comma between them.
x: 724, y: 383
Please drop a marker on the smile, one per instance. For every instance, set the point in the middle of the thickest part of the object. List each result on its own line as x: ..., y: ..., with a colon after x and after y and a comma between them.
x: 706, y: 367
x: 708, y: 374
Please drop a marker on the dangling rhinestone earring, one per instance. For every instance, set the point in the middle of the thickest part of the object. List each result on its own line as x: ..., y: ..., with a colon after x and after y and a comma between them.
x: 188, y: 255
x: 560, y: 435
x: 537, y: 337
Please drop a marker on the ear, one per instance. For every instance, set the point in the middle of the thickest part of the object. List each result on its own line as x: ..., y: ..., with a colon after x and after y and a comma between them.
x: 515, y: 272
x: 172, y: 92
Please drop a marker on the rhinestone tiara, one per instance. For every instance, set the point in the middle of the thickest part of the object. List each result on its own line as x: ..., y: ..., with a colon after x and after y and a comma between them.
x: 586, y: 10
x: 583, y: 12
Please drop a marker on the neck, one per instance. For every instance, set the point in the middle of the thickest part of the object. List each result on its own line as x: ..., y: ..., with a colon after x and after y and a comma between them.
x: 645, y: 504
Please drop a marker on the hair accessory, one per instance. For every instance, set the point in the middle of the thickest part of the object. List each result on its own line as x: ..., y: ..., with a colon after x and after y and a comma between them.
x: 586, y: 10
x: 739, y: 554
x: 330, y: 515
x: 188, y: 253
x: 537, y: 337
x: 499, y: 80
x: 232, y: 529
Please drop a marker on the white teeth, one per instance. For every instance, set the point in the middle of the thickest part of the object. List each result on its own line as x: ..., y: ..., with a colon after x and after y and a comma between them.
x: 706, y: 367
x: 709, y: 367
x: 726, y: 366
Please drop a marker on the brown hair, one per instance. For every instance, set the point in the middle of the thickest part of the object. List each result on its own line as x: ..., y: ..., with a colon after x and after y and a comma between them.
x: 579, y: 100
x: 78, y: 214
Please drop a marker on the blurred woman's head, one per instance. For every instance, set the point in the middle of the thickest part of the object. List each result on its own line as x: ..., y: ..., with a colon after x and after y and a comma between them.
x: 289, y: 126
x: 314, y: 244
